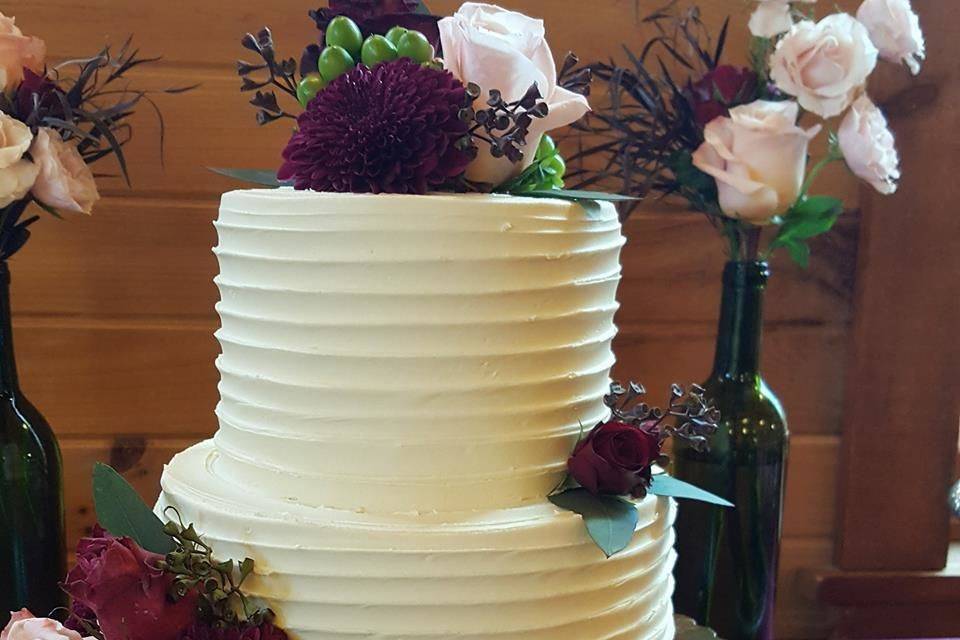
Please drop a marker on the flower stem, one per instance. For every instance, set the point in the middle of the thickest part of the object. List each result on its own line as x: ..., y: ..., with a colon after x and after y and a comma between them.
x: 833, y: 154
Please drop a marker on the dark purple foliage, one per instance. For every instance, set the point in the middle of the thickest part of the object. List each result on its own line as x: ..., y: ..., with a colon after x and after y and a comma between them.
x: 393, y: 129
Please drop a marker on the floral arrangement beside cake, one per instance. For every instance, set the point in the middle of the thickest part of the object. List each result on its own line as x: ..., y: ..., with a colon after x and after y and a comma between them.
x: 56, y: 121
x: 418, y: 436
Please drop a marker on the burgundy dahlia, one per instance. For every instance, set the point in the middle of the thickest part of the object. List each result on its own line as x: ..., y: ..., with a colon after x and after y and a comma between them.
x: 390, y: 129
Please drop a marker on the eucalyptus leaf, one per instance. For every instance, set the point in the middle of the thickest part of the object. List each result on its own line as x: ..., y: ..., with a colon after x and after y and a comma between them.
x: 668, y: 486
x: 611, y: 521
x: 260, y: 177
x: 422, y: 8
x: 122, y: 512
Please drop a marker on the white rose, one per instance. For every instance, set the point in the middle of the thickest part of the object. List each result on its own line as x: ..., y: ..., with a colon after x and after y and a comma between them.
x: 23, y: 626
x: 895, y: 30
x: 65, y: 181
x: 17, y: 174
x: 499, y: 49
x: 758, y: 156
x: 772, y: 17
x: 16, y: 52
x: 868, y: 146
x: 824, y: 64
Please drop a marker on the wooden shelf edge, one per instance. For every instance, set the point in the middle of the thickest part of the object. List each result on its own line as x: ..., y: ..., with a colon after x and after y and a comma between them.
x: 873, y: 588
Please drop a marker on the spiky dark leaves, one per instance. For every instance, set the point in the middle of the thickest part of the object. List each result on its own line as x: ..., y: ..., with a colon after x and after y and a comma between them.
x: 630, y: 144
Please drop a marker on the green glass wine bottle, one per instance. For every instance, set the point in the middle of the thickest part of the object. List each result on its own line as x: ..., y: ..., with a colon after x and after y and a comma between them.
x: 32, y: 559
x: 727, y: 568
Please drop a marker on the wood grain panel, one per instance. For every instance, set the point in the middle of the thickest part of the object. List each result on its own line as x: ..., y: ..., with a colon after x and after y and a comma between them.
x: 803, y: 365
x: 109, y: 379
x: 905, y: 348
x: 143, y: 257
x: 798, y: 616
x: 208, y: 33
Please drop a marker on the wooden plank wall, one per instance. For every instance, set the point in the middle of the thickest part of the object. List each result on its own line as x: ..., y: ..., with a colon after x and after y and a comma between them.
x: 114, y: 314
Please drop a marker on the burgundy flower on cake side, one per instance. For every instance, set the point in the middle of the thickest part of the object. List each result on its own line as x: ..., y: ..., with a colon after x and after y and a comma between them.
x: 122, y: 585
x: 265, y: 631
x: 616, y: 459
x: 390, y: 129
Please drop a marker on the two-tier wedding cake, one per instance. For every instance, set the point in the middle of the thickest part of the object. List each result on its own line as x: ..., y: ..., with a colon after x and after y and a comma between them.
x: 403, y: 379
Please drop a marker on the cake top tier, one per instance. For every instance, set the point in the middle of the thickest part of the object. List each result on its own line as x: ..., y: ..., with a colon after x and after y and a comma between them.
x: 399, y: 353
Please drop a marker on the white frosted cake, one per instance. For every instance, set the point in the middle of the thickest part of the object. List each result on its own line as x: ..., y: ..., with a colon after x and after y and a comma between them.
x: 402, y: 381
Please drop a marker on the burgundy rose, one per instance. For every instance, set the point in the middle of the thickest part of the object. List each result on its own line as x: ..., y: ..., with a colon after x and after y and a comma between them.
x: 615, y: 459
x: 37, y: 90
x: 723, y: 87
x: 265, y: 631
x: 121, y: 585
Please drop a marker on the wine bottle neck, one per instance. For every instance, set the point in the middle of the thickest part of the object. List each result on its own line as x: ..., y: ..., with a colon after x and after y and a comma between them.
x: 741, y: 321
x: 8, y: 364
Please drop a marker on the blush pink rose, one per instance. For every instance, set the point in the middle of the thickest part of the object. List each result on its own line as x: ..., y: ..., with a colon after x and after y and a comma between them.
x: 17, y: 174
x: 868, y: 146
x: 23, y: 626
x: 772, y: 17
x: 16, y: 52
x: 505, y: 50
x: 758, y: 157
x: 65, y: 182
x: 824, y: 64
x: 895, y: 30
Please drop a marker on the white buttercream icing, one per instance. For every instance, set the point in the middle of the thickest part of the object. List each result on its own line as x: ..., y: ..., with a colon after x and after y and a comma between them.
x: 402, y: 381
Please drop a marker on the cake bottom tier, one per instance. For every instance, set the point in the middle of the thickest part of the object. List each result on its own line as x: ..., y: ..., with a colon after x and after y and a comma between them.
x: 528, y: 573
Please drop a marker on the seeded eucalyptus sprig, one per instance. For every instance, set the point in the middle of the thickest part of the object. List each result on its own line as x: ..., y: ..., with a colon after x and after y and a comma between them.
x: 690, y: 416
x: 281, y: 73
x: 504, y: 125
x: 218, y: 583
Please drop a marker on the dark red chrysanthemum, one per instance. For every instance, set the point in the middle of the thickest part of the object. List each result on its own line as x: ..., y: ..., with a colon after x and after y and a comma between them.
x: 390, y: 129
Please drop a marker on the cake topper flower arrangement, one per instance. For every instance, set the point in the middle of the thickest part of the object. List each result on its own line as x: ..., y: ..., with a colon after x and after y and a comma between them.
x: 395, y: 100
x: 56, y: 121
x: 139, y: 577
x: 733, y: 140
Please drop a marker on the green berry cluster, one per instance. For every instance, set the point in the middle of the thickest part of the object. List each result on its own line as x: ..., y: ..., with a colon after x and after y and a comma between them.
x: 545, y: 173
x: 346, y: 47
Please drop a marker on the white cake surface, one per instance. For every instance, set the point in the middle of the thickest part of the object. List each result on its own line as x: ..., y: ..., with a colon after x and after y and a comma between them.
x: 402, y: 381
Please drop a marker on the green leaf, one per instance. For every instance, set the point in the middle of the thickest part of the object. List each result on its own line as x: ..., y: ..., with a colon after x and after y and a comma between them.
x: 261, y: 177
x: 799, y: 252
x: 123, y: 513
x: 422, y: 8
x: 809, y: 218
x: 668, y: 486
x: 611, y: 521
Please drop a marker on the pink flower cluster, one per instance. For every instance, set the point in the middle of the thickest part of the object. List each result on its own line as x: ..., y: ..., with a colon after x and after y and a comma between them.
x: 36, y: 162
